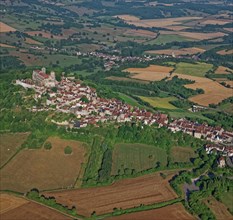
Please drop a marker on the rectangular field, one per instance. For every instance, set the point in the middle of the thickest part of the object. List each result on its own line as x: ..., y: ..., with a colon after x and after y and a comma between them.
x: 136, y: 156
x: 151, y: 73
x: 160, y: 102
x: 44, y: 169
x: 9, y: 143
x: 197, y: 69
x: 174, y: 212
x: 182, y: 154
x: 123, y: 194
x: 12, y: 207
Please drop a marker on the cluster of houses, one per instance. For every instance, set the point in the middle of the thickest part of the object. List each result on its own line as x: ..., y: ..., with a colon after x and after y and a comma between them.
x: 70, y: 96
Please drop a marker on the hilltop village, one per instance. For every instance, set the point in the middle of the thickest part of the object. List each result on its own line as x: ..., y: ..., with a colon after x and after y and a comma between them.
x: 71, y: 96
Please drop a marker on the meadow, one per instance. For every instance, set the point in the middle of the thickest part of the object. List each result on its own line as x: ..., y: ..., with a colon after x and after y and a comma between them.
x: 160, y: 102
x: 182, y: 154
x: 197, y: 69
x: 137, y: 157
x: 9, y: 144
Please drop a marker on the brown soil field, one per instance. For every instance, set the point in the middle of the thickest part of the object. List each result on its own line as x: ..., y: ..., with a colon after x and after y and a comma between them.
x: 176, y: 27
x: 214, y: 92
x: 44, y: 169
x: 151, y: 73
x: 223, y: 70
x: 27, y: 58
x: 196, y: 35
x: 155, y: 22
x: 124, y: 194
x: 125, y: 79
x: 5, y: 28
x: 219, y: 209
x: 228, y: 29
x: 181, y: 51
x: 173, y: 212
x: 139, y: 32
x: 216, y: 21
x: 6, y: 45
x: 31, y: 41
x: 229, y: 82
x: 225, y: 52
x: 15, y: 208
x: 9, y: 143
x: 45, y: 34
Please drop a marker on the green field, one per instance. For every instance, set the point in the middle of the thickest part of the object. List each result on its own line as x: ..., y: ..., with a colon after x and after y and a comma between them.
x: 159, y: 102
x: 167, y: 38
x: 129, y: 100
x: 227, y: 107
x: 182, y: 154
x: 137, y: 156
x: 227, y: 199
x: 198, y: 69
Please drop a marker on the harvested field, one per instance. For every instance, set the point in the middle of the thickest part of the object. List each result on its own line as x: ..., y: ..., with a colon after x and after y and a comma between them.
x: 174, y: 212
x: 214, y: 92
x: 225, y: 52
x: 197, y: 69
x: 44, y: 169
x: 137, y: 157
x: 219, y: 209
x: 182, y: 154
x: 228, y: 29
x: 9, y: 143
x: 155, y: 22
x: 124, y: 194
x: 176, y: 27
x: 181, y: 51
x: 12, y: 207
x: 160, y: 102
x: 151, y: 73
x: 216, y: 21
x: 195, y: 35
x: 223, y: 70
x: 5, y: 28
x: 229, y: 83
x: 6, y: 45
x: 116, y: 78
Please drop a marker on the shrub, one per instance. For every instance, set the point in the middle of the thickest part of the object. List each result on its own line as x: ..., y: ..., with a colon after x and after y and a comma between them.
x: 68, y: 150
x: 47, y: 145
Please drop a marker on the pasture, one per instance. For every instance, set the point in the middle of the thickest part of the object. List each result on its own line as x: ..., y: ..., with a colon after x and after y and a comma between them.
x: 118, y: 78
x: 182, y: 154
x: 147, y: 189
x: 177, y: 52
x: 219, y: 209
x: 195, y: 35
x: 160, y: 102
x: 6, y: 28
x: 167, y: 38
x: 210, y: 87
x: 193, y: 69
x: 136, y: 157
x: 129, y: 100
x: 227, y: 198
x: 155, y: 22
x: 151, y: 73
x: 12, y: 207
x: 174, y: 212
x: 9, y: 144
x: 44, y: 169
